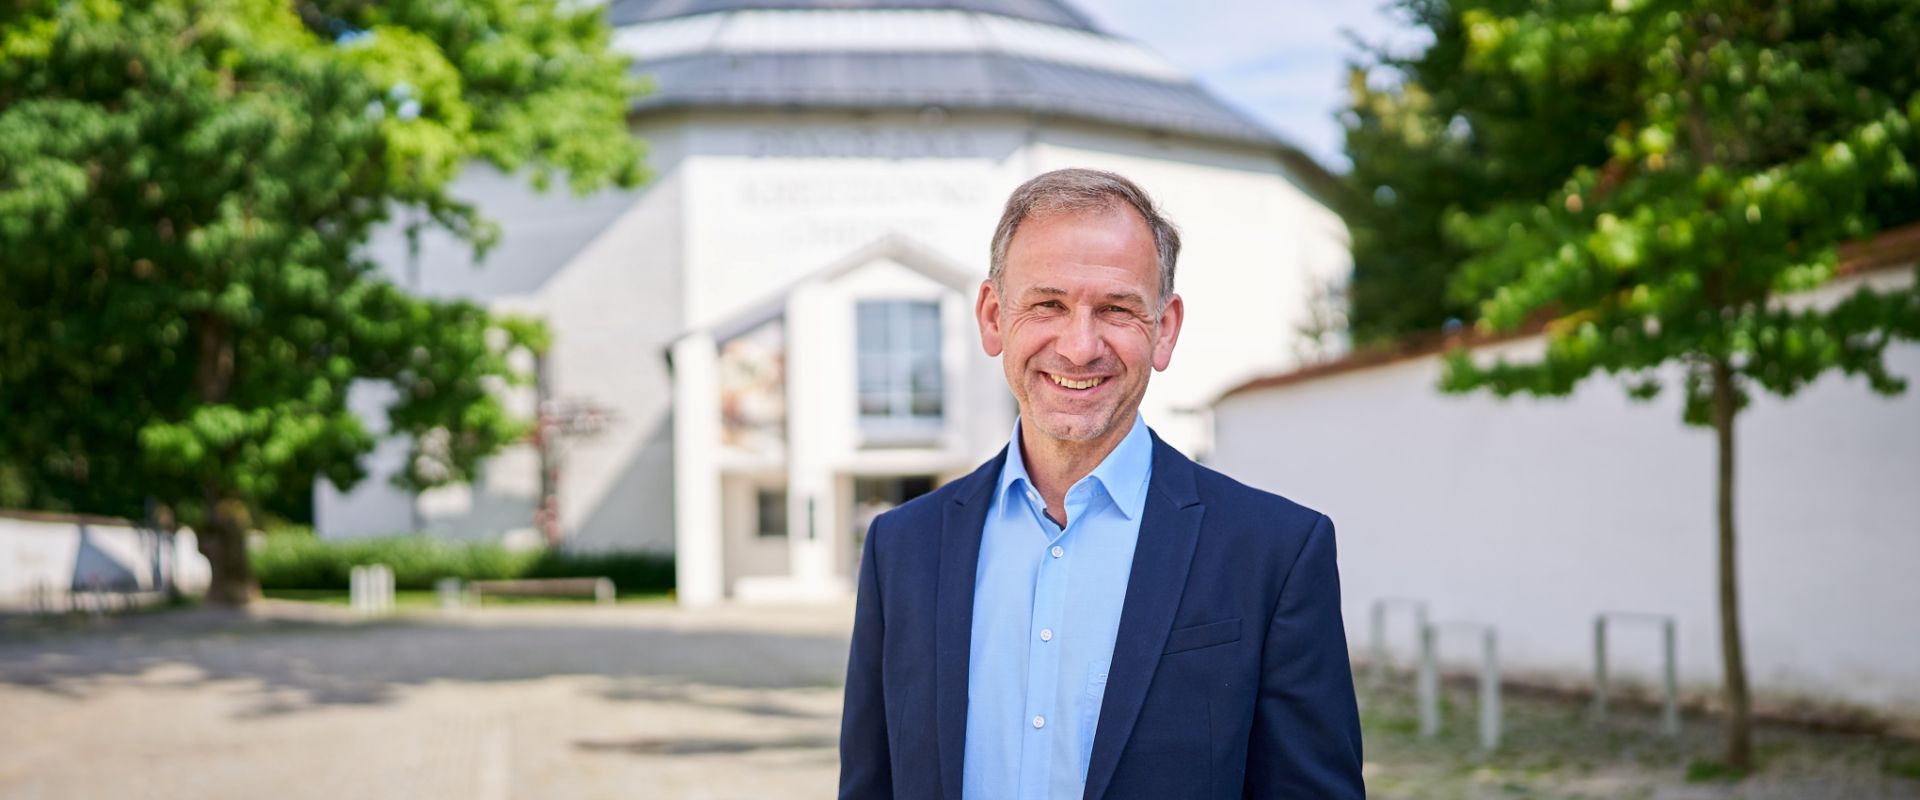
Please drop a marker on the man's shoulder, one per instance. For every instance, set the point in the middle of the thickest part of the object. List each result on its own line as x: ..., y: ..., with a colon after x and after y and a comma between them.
x: 1233, y: 503
x: 1218, y: 487
x: 926, y: 514
x: 927, y: 508
x: 1251, y: 531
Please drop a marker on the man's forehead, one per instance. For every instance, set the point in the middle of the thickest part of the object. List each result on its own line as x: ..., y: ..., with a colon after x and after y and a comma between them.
x: 1095, y: 238
x: 1094, y: 215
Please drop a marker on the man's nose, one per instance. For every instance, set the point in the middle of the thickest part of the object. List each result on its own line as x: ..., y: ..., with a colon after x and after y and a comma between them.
x: 1080, y: 343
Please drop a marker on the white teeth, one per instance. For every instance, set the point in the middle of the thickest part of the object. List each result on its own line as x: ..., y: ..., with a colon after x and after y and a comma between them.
x: 1072, y: 384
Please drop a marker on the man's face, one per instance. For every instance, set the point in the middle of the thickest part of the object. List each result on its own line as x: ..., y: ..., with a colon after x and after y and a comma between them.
x: 1079, y: 320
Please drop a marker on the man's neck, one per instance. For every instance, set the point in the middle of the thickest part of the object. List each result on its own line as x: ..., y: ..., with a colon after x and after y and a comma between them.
x: 1054, y: 466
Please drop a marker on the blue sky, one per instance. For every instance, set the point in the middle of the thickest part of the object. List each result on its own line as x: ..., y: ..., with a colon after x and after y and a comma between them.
x: 1284, y: 61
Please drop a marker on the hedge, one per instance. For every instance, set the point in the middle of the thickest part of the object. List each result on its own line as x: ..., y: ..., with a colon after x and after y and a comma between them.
x: 292, y: 561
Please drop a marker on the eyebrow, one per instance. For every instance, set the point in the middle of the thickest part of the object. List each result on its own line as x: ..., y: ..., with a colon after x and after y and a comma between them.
x: 1133, y: 297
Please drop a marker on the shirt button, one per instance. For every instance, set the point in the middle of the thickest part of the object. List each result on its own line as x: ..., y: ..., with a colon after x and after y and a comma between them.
x: 1039, y: 722
x: 1046, y: 634
x: 1059, y: 551
x: 1033, y: 495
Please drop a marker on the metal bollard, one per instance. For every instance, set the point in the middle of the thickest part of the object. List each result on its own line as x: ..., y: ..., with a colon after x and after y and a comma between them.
x: 1670, y: 704
x: 1490, y: 693
x: 357, y: 589
x: 1429, y: 682
x: 449, y: 591
x: 1600, y: 667
x: 386, y: 583
x: 1377, y: 644
x: 1427, y: 685
x: 370, y: 589
x: 1670, y: 710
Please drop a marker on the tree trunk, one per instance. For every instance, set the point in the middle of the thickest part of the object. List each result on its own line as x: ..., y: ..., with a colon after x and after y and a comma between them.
x: 546, y: 438
x: 224, y: 538
x: 224, y: 543
x: 1739, y: 704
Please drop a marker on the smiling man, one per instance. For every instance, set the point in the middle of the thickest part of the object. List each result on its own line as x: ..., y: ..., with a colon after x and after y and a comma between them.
x: 1091, y: 614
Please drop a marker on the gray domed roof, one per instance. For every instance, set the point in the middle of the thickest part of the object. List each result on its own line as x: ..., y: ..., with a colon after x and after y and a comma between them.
x: 1031, y: 56
x: 629, y: 12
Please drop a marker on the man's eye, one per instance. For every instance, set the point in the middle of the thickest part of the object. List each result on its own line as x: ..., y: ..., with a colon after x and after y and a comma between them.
x: 1053, y: 304
x: 1119, y: 310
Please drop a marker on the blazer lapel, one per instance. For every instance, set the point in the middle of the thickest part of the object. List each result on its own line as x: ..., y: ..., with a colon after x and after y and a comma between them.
x: 959, y: 563
x: 1169, y: 529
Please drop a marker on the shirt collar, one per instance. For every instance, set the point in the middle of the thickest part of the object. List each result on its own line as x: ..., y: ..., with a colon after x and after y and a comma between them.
x: 1122, y: 474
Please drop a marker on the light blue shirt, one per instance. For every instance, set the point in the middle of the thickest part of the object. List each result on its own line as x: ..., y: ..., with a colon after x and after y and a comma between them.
x: 1046, y: 606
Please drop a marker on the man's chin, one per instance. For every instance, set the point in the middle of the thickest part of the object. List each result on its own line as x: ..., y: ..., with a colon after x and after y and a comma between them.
x: 1074, y: 428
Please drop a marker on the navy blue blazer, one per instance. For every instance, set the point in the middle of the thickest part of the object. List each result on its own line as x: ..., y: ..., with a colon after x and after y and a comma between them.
x: 1229, y: 676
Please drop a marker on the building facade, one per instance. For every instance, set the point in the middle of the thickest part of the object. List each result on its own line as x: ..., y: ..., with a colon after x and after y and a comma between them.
x: 773, y: 339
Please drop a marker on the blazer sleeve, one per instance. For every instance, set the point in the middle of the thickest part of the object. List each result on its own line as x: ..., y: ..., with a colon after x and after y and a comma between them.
x: 1306, y: 725
x: 866, y: 767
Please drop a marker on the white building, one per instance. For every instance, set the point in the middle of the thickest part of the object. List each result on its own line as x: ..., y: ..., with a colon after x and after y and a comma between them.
x: 1534, y: 515
x: 827, y: 177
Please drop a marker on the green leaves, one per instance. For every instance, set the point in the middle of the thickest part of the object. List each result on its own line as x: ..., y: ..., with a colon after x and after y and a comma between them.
x: 185, y: 190
x: 1756, y: 141
x: 1436, y: 138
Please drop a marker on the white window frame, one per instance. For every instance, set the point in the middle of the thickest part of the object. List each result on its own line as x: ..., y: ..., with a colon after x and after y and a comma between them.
x: 901, y: 355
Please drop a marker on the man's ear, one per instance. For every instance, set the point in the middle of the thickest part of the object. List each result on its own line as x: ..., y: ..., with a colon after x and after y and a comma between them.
x: 1170, y: 319
x: 986, y: 311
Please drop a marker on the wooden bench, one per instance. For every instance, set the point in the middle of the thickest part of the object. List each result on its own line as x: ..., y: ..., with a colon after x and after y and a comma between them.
x: 600, y: 589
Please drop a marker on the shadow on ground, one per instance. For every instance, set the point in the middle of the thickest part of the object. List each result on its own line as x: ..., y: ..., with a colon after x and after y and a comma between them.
x: 302, y: 664
x: 694, y: 746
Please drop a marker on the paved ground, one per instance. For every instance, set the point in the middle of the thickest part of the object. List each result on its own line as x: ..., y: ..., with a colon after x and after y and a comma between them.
x: 300, y: 701
x: 304, y: 702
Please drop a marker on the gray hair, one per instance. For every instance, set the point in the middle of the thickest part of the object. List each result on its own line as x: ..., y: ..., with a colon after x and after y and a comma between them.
x: 1073, y: 190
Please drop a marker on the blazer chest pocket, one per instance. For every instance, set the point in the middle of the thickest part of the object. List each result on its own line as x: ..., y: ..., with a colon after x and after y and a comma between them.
x: 1194, y: 637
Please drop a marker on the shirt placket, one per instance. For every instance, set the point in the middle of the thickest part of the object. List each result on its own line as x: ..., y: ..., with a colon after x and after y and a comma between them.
x: 1043, y: 643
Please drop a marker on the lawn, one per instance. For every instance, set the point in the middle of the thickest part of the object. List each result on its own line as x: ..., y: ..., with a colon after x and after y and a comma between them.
x: 417, y: 599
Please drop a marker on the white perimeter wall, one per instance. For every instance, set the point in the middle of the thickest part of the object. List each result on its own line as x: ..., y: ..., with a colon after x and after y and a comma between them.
x: 1533, y: 515
x: 58, y: 555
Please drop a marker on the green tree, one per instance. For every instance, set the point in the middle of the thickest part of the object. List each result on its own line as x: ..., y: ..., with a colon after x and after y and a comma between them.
x: 1762, y: 136
x: 186, y: 187
x: 1429, y: 137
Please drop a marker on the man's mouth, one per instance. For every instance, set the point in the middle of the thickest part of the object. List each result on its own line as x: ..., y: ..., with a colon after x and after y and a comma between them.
x: 1076, y: 384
